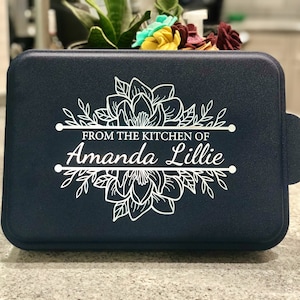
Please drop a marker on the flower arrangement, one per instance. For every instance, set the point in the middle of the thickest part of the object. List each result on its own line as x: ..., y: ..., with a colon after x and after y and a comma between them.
x: 168, y: 34
x: 116, y: 30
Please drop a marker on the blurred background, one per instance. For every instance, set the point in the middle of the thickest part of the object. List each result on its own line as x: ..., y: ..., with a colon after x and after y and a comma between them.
x: 271, y: 26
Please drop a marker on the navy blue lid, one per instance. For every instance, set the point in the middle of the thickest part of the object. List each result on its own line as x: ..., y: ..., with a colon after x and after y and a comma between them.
x: 147, y: 150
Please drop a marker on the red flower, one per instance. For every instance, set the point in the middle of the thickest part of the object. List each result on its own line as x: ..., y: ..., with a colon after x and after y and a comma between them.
x: 193, y: 37
x: 189, y: 35
x: 228, y: 39
x: 183, y: 31
x: 211, y: 38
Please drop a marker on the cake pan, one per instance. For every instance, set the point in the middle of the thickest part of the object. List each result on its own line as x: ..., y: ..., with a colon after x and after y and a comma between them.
x: 147, y: 150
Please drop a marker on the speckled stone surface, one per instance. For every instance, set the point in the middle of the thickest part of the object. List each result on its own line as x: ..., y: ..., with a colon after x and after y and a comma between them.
x: 272, y: 274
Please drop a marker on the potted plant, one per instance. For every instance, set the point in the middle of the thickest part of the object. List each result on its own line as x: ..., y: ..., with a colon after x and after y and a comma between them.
x: 116, y: 29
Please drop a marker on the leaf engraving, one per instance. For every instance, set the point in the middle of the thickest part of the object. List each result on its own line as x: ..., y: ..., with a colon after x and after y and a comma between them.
x: 120, y: 210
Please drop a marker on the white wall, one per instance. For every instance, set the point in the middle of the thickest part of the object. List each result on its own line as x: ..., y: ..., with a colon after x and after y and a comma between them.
x: 264, y: 8
x: 4, y: 45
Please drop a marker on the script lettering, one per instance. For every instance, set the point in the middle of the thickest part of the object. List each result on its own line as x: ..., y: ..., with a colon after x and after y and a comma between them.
x: 203, y: 154
x: 139, y: 157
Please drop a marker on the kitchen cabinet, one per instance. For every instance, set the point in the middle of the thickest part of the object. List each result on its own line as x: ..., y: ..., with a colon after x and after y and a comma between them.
x: 285, y: 47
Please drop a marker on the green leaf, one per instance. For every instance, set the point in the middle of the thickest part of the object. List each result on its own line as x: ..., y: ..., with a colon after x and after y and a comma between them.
x: 117, y: 12
x: 166, y: 4
x: 104, y: 22
x: 83, y: 16
x: 127, y: 37
x: 169, y: 7
x: 98, y: 39
x: 178, y: 11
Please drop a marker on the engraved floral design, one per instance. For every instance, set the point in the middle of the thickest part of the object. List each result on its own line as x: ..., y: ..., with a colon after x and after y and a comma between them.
x: 134, y: 193
x: 136, y: 104
x: 138, y: 190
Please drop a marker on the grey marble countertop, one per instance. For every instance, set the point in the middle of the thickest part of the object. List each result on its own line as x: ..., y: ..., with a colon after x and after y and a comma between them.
x: 272, y: 274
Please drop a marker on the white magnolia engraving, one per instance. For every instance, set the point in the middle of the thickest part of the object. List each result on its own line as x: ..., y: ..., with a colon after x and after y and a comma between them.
x: 138, y: 185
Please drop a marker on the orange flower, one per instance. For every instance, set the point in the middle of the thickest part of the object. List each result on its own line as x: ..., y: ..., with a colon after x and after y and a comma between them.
x: 208, y: 47
x: 162, y: 39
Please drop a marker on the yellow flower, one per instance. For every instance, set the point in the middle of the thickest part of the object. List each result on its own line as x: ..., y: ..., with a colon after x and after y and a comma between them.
x: 162, y: 39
